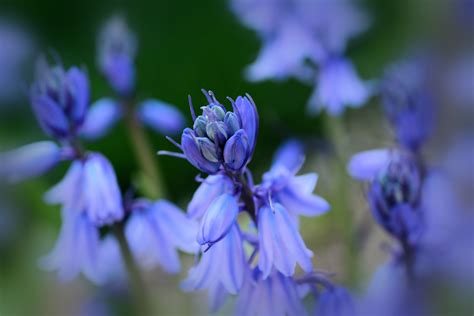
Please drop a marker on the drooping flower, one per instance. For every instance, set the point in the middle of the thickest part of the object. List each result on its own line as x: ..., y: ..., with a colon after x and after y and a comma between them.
x: 60, y: 99
x: 408, y: 103
x: 300, y: 36
x: 281, y: 245
x: 295, y: 193
x: 220, y: 139
x: 30, y: 160
x: 394, y: 197
x: 156, y: 230
x: 90, y: 186
x: 338, y: 86
x: 77, y: 248
x: 220, y: 270
x: 117, y: 47
x: 274, y: 295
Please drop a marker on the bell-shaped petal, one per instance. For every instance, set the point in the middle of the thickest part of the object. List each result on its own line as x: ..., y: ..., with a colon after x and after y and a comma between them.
x: 222, y: 265
x: 29, y: 161
x: 102, y: 115
x: 193, y: 153
x: 338, y: 86
x: 219, y: 218
x: 101, y: 193
x: 156, y: 231
x: 336, y: 301
x: 245, y: 108
x: 112, y: 268
x: 208, y: 191
x: 365, y: 165
x: 275, y: 295
x: 298, y: 202
x: 164, y: 118
x: 90, y: 186
x: 236, y: 151
x: 305, y: 183
x: 76, y: 250
x: 281, y: 245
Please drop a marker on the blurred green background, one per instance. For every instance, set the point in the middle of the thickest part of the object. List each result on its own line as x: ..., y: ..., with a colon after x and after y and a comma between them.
x: 185, y: 46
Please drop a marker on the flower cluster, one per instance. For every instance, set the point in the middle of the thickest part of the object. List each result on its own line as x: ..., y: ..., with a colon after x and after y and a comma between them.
x: 301, y: 36
x: 221, y: 144
x: 397, y: 174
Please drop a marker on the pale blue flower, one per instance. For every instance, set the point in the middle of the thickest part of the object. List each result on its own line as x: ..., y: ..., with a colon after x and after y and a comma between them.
x: 90, y: 186
x: 155, y: 230
x: 274, y: 295
x: 367, y: 164
x: 164, y: 118
x: 102, y: 115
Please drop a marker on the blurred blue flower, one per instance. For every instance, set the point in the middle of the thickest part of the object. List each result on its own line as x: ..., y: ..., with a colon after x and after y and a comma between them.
x: 335, y: 301
x: 102, y: 115
x: 161, y: 117
x: 394, y: 197
x: 338, y: 86
x: 77, y: 248
x: 274, y: 295
x: 30, y: 160
x: 221, y: 139
x: 408, y: 102
x: 280, y: 243
x: 59, y: 99
x: 221, y: 269
x: 90, y: 187
x: 298, y: 37
x: 155, y: 230
x: 117, y: 47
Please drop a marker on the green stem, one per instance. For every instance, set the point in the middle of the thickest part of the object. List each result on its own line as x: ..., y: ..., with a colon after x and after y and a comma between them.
x: 137, y: 285
x: 144, y: 153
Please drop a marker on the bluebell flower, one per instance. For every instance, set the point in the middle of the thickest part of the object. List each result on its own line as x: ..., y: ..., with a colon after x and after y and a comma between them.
x: 111, y: 266
x: 335, y: 301
x: 221, y: 269
x: 90, y: 186
x: 300, y: 36
x: 394, y: 197
x: 338, y: 86
x: 117, y: 47
x: 408, y: 102
x: 102, y: 115
x: 295, y: 193
x: 281, y: 245
x: 155, y: 230
x: 275, y: 295
x: 161, y: 117
x: 218, y: 219
x: 221, y: 139
x: 31, y: 160
x: 211, y: 188
x: 60, y: 99
x: 77, y: 248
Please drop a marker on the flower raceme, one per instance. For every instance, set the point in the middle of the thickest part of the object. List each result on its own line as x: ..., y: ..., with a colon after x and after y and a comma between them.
x: 221, y: 144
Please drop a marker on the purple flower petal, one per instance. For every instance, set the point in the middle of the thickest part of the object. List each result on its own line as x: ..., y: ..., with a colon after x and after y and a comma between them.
x: 29, y: 161
x: 162, y: 117
x: 79, y: 85
x: 365, y: 165
x: 236, y: 150
x: 102, y: 115
x: 300, y: 203
x: 247, y: 111
x: 193, y: 153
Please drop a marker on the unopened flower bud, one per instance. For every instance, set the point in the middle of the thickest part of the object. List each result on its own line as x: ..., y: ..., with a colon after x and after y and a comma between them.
x: 216, y: 132
x: 236, y: 151
x: 208, y: 149
x: 200, y: 126
x: 232, y: 122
